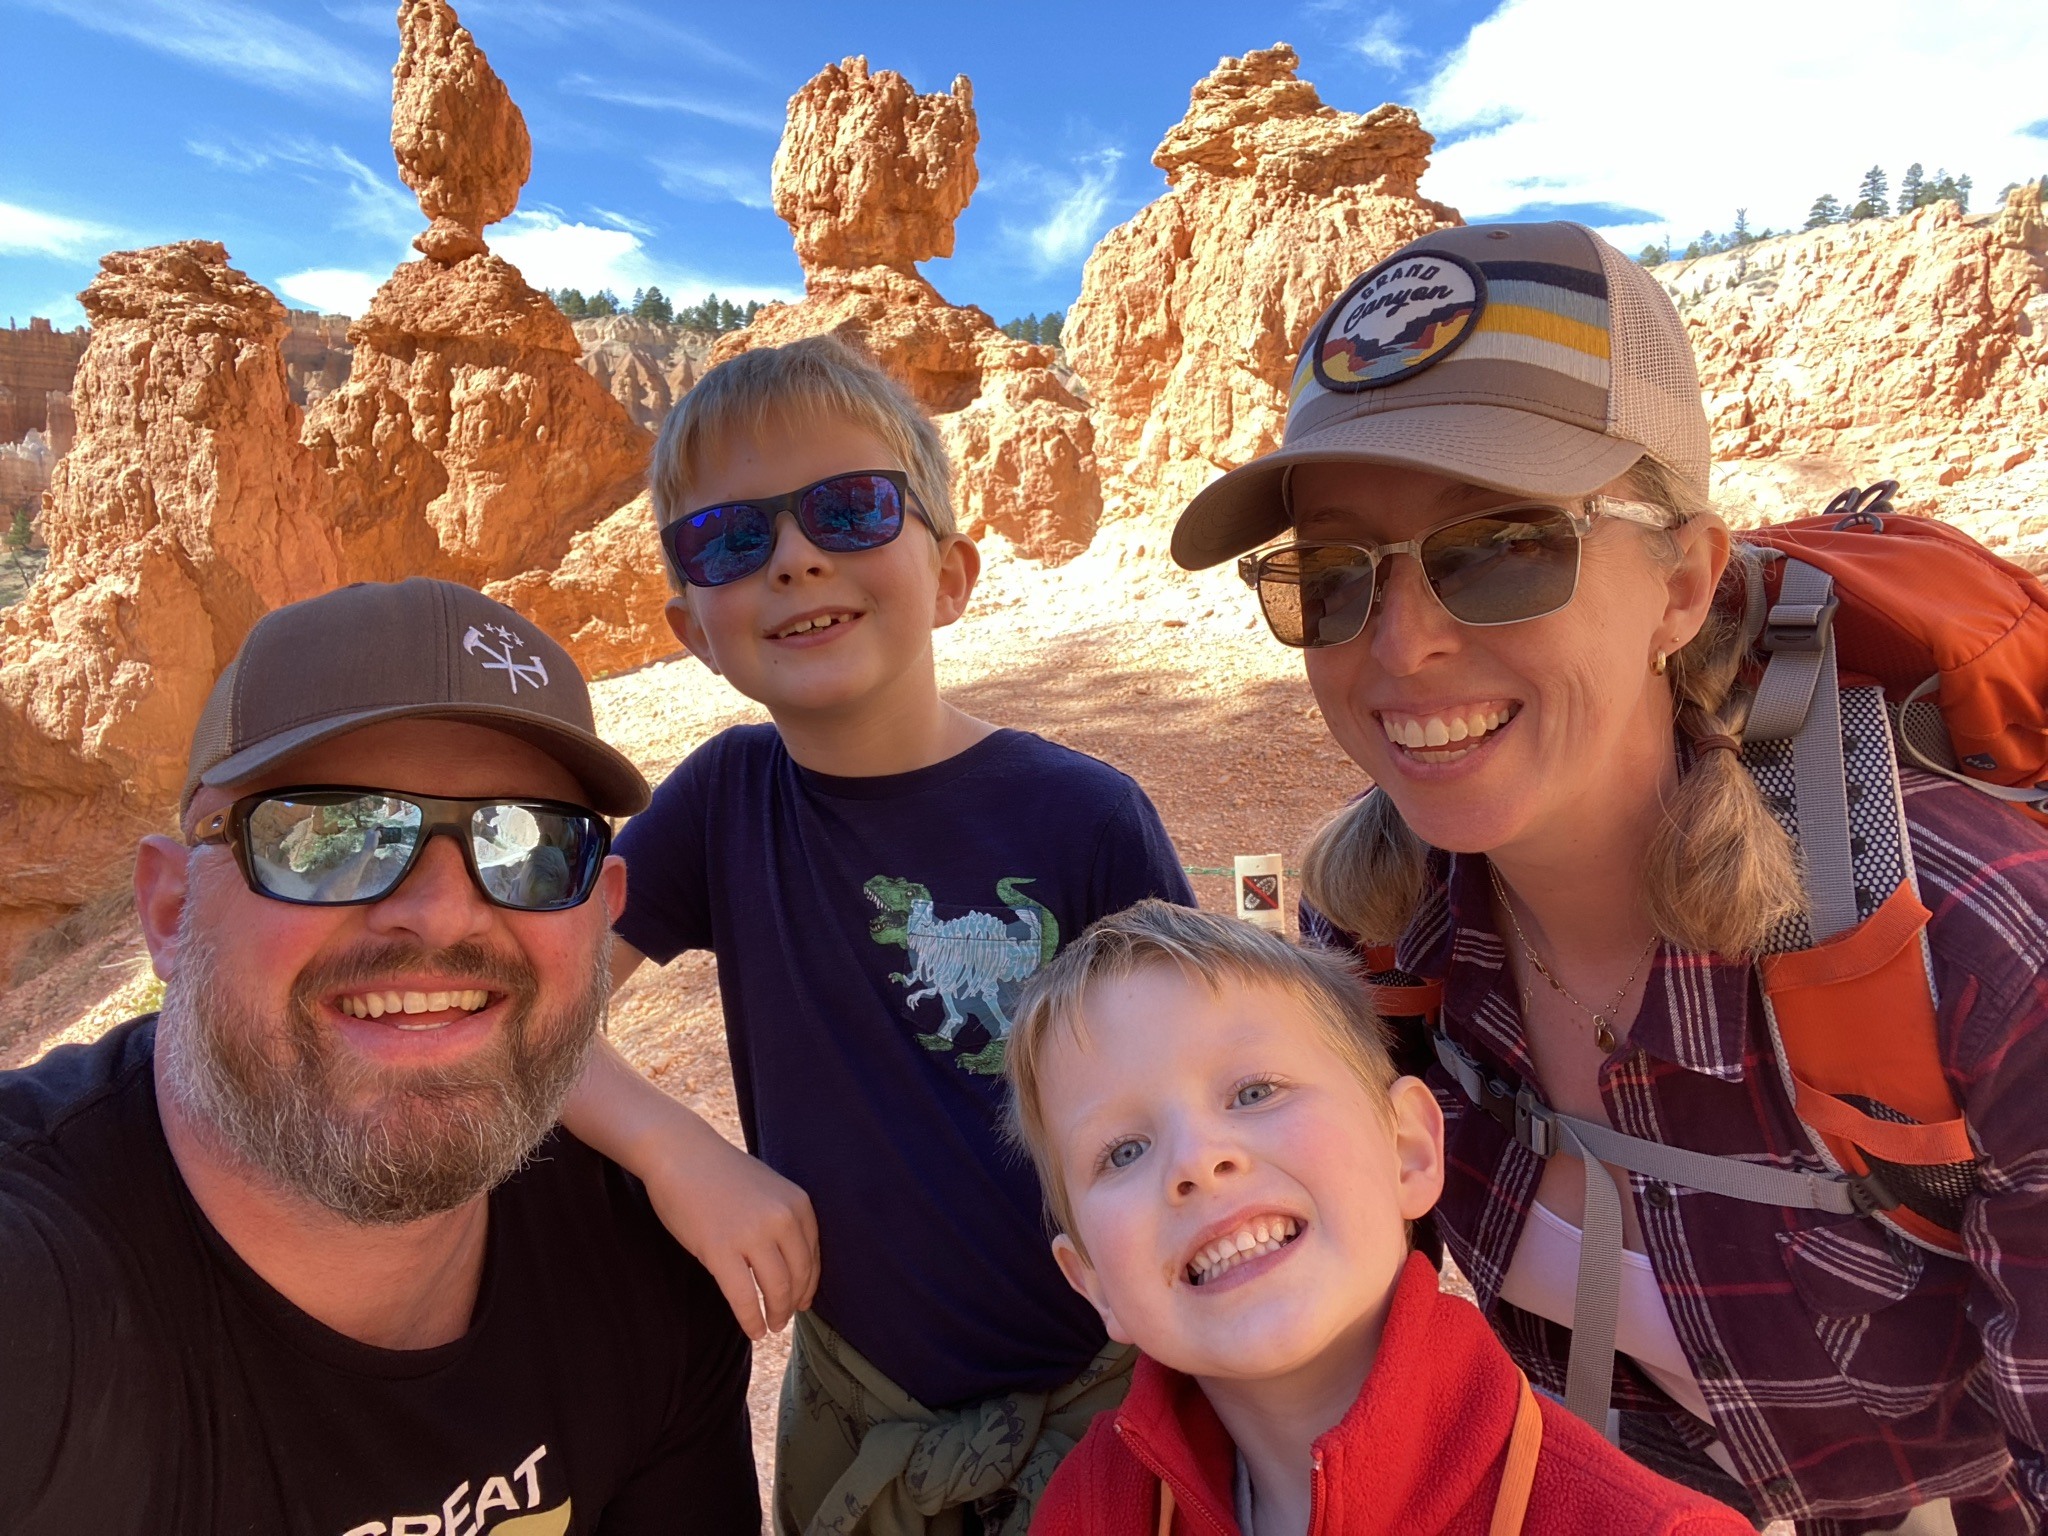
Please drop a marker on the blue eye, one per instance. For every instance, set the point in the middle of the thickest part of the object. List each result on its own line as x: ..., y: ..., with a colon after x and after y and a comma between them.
x: 1253, y: 1093
x: 1123, y: 1153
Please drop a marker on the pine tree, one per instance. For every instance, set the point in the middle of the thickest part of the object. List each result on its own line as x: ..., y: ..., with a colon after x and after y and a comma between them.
x: 1050, y: 327
x: 1912, y: 192
x: 1873, y: 198
x: 1741, y: 235
x: 603, y: 302
x: 1963, y: 193
x: 753, y: 309
x: 1653, y: 256
x: 1825, y: 210
x: 653, y: 304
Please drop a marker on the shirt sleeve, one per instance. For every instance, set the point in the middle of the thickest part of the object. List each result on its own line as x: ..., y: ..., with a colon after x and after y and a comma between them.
x: 1134, y: 859
x: 700, y: 1476
x: 668, y: 905
x: 2006, y: 1228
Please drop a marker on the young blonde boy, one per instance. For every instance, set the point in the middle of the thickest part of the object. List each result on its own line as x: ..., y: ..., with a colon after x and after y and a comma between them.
x: 1233, y: 1164
x: 877, y: 872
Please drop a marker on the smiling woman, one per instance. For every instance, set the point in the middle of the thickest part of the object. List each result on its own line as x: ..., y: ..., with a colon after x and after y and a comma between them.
x: 1619, y: 872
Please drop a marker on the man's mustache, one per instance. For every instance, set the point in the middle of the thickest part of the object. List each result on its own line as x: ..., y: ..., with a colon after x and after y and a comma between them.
x: 484, y: 968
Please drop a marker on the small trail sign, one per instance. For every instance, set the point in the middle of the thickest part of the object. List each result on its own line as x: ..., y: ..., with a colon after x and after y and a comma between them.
x: 1259, y: 890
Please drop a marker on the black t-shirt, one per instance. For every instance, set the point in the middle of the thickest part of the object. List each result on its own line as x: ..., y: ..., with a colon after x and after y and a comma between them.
x: 151, y: 1382
x: 872, y: 935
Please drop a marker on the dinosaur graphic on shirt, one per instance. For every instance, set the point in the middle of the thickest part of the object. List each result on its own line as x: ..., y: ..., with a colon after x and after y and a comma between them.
x: 972, y: 963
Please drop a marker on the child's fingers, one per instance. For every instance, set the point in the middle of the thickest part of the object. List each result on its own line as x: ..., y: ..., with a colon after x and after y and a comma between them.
x: 778, y: 1292
x: 736, y: 1282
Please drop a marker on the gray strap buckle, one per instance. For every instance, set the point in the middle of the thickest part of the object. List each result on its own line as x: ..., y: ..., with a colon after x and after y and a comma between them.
x: 1800, y: 626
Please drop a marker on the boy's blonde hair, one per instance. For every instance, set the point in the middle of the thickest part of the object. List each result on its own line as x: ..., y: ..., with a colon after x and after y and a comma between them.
x: 818, y: 376
x: 1221, y: 951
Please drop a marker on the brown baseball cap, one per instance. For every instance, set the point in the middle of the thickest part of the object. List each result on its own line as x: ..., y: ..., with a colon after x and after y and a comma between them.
x: 414, y: 649
x: 1532, y: 358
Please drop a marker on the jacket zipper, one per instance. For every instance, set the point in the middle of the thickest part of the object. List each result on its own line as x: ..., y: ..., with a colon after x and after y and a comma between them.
x: 1184, y: 1500
x: 1315, y: 1494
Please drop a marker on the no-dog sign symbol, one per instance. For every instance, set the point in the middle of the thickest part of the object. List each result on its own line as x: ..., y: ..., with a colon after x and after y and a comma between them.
x: 1258, y: 891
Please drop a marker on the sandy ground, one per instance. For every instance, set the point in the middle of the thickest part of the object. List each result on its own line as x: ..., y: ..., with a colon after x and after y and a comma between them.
x: 1170, y: 677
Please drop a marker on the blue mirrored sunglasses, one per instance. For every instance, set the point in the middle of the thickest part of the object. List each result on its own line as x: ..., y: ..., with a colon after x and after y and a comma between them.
x: 842, y: 515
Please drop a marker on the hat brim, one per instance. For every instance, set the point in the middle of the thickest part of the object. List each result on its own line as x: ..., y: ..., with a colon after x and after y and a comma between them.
x: 612, y: 784
x: 1491, y: 445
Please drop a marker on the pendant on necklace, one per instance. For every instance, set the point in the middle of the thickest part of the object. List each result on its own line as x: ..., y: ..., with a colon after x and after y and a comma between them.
x: 1603, y: 1033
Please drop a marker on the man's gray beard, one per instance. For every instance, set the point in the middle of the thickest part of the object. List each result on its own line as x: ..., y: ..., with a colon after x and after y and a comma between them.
x: 422, y: 1141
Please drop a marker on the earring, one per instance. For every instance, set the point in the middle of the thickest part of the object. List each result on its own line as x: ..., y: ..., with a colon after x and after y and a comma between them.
x: 1658, y: 665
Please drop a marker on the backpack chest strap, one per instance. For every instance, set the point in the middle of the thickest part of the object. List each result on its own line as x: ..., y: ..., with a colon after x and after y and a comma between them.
x: 1589, y: 1373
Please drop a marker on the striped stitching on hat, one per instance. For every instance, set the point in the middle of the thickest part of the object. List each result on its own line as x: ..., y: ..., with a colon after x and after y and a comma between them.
x: 1545, y: 314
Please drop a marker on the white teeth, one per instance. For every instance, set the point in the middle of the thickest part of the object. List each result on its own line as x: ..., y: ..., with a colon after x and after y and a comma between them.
x: 1441, y: 731
x: 374, y: 1005
x: 1261, y: 1237
x: 805, y: 626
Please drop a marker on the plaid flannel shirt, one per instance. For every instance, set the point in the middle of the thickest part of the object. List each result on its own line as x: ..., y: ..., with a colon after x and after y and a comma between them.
x: 1851, y: 1373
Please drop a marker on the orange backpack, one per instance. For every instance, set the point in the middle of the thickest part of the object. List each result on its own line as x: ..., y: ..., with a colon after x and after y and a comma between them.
x: 1942, y: 651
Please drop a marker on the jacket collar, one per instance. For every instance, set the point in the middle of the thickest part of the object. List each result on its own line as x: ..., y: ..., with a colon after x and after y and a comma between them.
x: 1421, y: 1439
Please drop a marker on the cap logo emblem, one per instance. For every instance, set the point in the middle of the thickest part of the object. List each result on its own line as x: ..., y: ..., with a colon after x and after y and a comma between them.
x: 533, y: 671
x: 1403, y: 316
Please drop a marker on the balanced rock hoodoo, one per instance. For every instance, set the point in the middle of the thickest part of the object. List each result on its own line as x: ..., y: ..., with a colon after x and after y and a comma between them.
x: 870, y: 177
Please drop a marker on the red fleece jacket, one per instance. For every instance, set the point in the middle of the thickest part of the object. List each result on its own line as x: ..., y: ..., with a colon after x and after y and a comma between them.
x: 1420, y: 1451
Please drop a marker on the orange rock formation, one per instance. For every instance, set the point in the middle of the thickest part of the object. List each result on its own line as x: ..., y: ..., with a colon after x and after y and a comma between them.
x: 1191, y: 313
x: 184, y: 511
x: 870, y: 177
x: 462, y: 144
x: 467, y: 442
x: 1914, y: 348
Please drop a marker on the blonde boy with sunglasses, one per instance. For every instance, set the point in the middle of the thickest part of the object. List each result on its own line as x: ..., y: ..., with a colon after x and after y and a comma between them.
x: 877, y: 872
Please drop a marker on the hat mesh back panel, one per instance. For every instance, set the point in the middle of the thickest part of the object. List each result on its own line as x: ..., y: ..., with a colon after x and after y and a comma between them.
x: 1654, y: 385
x: 213, y: 737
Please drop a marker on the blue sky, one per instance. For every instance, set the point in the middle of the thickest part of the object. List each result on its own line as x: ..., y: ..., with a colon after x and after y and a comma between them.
x: 264, y: 123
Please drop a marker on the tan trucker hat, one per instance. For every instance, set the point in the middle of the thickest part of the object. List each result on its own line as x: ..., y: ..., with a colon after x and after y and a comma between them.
x: 417, y: 648
x: 1532, y: 358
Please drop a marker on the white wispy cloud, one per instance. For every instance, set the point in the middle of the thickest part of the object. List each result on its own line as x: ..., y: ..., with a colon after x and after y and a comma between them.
x: 553, y: 252
x: 1081, y: 213
x: 36, y: 232
x: 713, y: 181
x: 332, y: 290
x: 626, y: 28
x: 370, y: 203
x: 1380, y: 43
x: 1641, y: 120
x: 708, y: 107
x: 233, y: 39
x: 620, y: 221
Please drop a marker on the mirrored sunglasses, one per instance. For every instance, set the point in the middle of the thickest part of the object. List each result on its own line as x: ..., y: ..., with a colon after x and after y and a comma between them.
x: 1501, y: 567
x: 337, y: 846
x: 842, y: 515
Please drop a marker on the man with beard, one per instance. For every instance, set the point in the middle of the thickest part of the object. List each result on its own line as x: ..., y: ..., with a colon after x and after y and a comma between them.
x: 306, y: 1253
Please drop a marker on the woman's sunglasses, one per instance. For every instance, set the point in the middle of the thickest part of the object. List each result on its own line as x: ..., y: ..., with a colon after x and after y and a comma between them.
x: 842, y: 515
x: 341, y: 847
x: 1501, y: 567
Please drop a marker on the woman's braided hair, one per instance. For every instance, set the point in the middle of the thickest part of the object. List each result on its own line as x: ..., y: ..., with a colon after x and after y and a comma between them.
x: 1720, y: 872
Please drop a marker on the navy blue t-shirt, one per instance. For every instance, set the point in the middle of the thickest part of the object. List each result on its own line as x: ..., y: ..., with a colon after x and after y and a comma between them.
x: 872, y: 935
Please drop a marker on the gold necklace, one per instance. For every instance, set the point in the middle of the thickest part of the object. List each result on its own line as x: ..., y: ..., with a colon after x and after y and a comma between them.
x: 1603, y: 1023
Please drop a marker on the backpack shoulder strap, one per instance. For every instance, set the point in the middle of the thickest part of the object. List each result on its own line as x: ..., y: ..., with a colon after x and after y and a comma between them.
x: 1877, y: 1105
